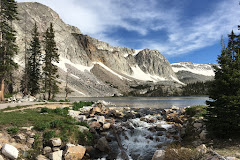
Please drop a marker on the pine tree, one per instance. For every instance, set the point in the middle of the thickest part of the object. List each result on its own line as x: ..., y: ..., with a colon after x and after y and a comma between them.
x: 49, y: 69
x: 8, y: 48
x: 224, y: 108
x: 33, y: 67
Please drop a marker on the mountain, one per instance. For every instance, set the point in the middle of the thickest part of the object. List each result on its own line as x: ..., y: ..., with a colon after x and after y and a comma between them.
x: 188, y: 72
x: 93, y: 67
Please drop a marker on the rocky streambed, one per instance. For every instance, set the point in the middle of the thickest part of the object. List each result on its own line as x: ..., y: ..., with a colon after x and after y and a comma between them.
x: 119, y: 133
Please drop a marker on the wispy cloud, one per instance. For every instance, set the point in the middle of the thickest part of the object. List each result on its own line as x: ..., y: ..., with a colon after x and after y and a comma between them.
x: 99, y: 18
x: 202, y: 31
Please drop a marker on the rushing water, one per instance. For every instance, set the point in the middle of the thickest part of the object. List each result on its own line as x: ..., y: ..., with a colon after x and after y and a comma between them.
x: 153, y: 102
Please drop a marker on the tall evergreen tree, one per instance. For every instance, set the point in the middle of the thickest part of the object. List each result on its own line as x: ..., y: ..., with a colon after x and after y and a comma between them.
x: 33, y: 64
x: 8, y: 48
x: 224, y: 108
x: 49, y: 69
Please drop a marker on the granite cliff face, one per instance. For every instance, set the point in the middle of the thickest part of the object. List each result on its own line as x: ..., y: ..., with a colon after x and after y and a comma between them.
x: 94, y: 67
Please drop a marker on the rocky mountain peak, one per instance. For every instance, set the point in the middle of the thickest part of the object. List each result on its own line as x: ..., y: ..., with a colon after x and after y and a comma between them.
x: 85, y: 57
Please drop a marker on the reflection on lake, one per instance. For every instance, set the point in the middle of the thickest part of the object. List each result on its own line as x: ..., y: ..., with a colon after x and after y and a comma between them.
x: 156, y: 102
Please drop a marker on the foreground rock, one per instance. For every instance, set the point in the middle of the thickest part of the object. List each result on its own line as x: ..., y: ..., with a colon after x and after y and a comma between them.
x: 75, y: 152
x: 56, y: 155
x: 159, y: 155
x: 10, y: 151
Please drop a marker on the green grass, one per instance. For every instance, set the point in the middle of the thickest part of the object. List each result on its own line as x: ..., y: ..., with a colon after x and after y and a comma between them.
x: 196, y: 111
x: 27, y: 117
x: 48, y: 122
x: 77, y: 105
x: 12, y: 130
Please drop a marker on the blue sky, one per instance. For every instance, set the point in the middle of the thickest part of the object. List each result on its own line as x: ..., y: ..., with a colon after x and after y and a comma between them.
x: 183, y: 31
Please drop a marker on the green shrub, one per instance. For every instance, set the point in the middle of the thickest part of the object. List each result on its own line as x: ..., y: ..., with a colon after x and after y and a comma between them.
x: 56, y: 124
x: 58, y: 111
x: 48, y: 135
x: 196, y: 111
x: 13, y: 130
x: 77, y: 105
x: 41, y: 126
x: 61, y: 100
x: 82, y: 124
x: 85, y: 138
x: 45, y: 110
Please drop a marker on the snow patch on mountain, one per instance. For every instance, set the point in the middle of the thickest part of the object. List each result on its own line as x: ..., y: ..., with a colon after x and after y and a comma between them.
x: 63, y: 61
x: 201, y: 69
x: 140, y: 75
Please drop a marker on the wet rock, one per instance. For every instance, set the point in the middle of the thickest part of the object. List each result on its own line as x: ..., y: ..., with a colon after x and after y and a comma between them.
x: 95, y: 110
x: 160, y: 128
x: 202, y: 149
x: 89, y: 149
x: 10, y: 151
x: 90, y: 120
x: 95, y: 125
x: 106, y: 126
x: 100, y: 119
x: 83, y: 129
x: 129, y: 115
x: 47, y: 150
x: 56, y: 142
x: 41, y: 157
x: 197, y: 125
x: 56, y: 155
x: 75, y: 152
x: 103, y: 145
x: 152, y: 129
x: 172, y: 130
x: 175, y: 108
x: 203, y: 134
x: 159, y: 155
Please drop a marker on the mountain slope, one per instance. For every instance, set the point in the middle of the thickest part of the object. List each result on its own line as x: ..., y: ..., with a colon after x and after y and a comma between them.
x: 93, y: 67
x: 189, y: 72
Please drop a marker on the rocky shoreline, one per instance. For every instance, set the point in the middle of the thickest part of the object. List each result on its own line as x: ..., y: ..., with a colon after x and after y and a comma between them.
x: 118, y: 133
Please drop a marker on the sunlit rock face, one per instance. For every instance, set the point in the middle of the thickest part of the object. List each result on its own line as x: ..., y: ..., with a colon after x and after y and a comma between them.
x: 93, y: 67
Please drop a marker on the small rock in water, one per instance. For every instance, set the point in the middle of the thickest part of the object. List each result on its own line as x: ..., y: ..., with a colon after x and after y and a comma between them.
x: 95, y: 125
x: 103, y: 145
x: 159, y: 155
x: 107, y: 126
x: 202, y: 149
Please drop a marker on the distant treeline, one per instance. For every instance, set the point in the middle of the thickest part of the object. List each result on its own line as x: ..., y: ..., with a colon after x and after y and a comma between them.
x: 196, y: 89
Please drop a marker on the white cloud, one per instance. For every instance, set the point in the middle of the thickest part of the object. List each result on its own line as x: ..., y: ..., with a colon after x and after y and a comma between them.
x: 99, y: 18
x: 202, y: 31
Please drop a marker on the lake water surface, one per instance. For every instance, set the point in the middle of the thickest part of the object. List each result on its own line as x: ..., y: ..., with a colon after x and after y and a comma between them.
x: 154, y: 102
